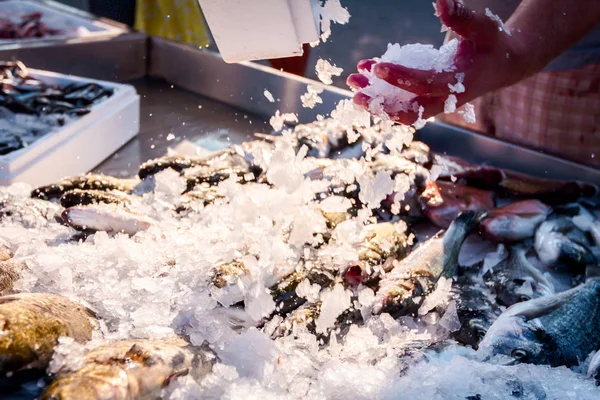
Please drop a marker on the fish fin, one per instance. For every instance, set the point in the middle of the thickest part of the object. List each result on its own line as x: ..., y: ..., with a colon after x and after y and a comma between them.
x: 175, y: 375
x: 541, y: 306
x: 592, y: 272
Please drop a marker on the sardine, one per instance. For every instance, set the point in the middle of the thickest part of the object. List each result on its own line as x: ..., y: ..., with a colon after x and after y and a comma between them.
x: 108, y: 218
x: 560, y: 244
x: 30, y: 325
x: 515, y: 222
x: 84, y: 182
x: 131, y: 369
x: 402, y: 290
x: 79, y: 197
x: 442, y: 202
x: 562, y: 329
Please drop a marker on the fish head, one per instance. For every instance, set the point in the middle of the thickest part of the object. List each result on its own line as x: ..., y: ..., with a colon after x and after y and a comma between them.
x: 516, y: 338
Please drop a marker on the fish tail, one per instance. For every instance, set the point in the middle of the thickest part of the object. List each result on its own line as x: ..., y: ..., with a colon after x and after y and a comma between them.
x: 455, y: 236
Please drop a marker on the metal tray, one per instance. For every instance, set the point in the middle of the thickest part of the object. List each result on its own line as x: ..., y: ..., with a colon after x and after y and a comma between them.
x: 242, y: 86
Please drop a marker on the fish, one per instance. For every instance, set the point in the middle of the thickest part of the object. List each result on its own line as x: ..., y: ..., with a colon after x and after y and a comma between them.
x: 304, y: 319
x: 30, y: 325
x: 515, y: 279
x: 31, y: 213
x: 83, y: 182
x: 562, y: 329
x: 402, y: 290
x: 442, y: 202
x: 476, y: 313
x: 382, y: 244
x: 107, y: 218
x: 515, y: 222
x: 131, y: 369
x: 5, y: 252
x: 10, y: 272
x: 560, y: 244
x: 285, y: 295
x: 225, y: 277
x: 211, y: 175
x: 202, y: 194
x: 510, y: 183
x: 594, y: 368
x: 78, y: 197
x: 181, y: 163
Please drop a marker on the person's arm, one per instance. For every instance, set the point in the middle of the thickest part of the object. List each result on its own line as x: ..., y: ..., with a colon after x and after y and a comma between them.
x: 490, y: 59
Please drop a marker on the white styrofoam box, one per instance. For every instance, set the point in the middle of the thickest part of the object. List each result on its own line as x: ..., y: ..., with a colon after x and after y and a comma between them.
x: 246, y: 30
x: 306, y: 20
x: 81, y: 144
x: 73, y: 25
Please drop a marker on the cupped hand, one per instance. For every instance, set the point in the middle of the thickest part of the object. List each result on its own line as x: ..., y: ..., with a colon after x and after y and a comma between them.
x: 488, y: 56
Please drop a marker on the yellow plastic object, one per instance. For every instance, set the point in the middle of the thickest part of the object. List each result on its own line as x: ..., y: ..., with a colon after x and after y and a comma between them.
x: 178, y: 20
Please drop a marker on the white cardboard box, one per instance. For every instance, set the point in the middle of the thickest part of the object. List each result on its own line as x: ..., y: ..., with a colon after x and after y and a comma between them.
x: 80, y: 145
x: 246, y: 30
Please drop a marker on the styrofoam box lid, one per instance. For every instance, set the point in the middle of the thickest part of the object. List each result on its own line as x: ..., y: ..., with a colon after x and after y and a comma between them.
x: 55, y: 19
x: 246, y: 30
x: 18, y: 159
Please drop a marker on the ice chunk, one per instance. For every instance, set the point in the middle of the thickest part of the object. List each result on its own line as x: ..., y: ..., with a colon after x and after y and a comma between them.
x: 278, y: 120
x: 308, y: 291
x: 311, y: 98
x: 423, y: 56
x: 439, y: 297
x: 332, y: 10
x: 325, y: 71
x: 250, y: 353
x: 469, y: 113
x: 450, y: 320
x: 420, y: 123
x: 335, y: 302
x: 450, y: 104
x: 458, y: 87
x: 374, y: 189
x: 269, y: 96
x: 501, y: 26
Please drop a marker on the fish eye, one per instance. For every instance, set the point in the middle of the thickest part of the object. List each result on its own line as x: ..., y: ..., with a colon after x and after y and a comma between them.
x: 519, y: 354
x: 524, y: 297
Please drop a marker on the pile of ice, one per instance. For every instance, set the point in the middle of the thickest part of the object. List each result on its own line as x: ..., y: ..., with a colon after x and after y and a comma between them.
x: 416, y: 56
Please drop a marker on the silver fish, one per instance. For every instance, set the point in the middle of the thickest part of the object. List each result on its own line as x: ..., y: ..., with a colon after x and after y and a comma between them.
x: 560, y: 244
x: 108, y: 218
x: 417, y: 275
x: 562, y: 329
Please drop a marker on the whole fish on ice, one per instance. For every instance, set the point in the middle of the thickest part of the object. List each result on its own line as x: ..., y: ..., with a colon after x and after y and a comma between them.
x: 108, y: 218
x: 562, y: 329
x: 30, y: 325
x: 131, y: 369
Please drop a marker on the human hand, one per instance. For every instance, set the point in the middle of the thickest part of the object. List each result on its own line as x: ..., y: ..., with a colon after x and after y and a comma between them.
x: 488, y: 56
